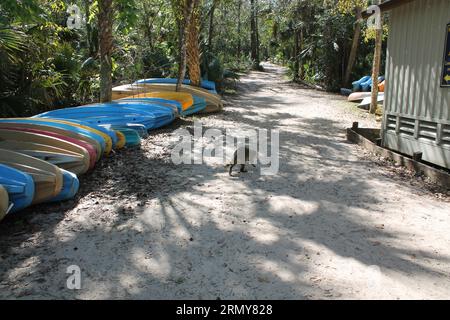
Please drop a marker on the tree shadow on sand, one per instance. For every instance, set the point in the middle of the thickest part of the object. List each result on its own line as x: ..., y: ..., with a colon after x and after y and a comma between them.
x: 142, y: 227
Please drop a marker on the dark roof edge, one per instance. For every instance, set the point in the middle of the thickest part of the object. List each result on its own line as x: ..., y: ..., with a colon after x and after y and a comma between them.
x: 387, y: 5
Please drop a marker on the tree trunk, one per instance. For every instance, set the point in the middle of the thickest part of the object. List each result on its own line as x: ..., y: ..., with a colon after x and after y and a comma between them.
x: 148, y: 26
x: 253, y: 35
x: 300, y: 51
x: 296, y: 54
x: 239, y: 30
x: 188, y: 8
x: 256, y: 31
x: 193, y: 49
x: 105, y: 24
x: 87, y: 10
x: 211, y: 26
x: 354, y: 49
x: 376, y: 69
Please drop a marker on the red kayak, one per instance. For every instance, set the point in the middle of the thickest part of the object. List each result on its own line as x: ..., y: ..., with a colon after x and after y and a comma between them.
x: 89, y: 148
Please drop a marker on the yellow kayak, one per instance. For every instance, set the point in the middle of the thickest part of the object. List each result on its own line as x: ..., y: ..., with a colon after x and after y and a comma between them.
x: 105, y: 137
x: 68, y: 160
x: 184, y: 98
x: 213, y: 101
x: 48, y: 179
x: 47, y: 146
x: 121, y: 140
x: 63, y: 132
x: 4, y: 202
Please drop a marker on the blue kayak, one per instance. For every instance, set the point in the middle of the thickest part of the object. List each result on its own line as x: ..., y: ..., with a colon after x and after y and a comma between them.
x: 19, y: 185
x: 62, y: 126
x: 70, y: 187
x: 367, y: 85
x: 163, y: 102
x: 163, y: 114
x: 205, y: 84
x: 199, y: 105
x: 153, y: 108
x: 104, y: 115
x: 357, y: 84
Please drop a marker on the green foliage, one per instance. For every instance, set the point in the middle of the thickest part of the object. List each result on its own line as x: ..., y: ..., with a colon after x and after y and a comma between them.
x: 44, y: 65
x: 327, y: 28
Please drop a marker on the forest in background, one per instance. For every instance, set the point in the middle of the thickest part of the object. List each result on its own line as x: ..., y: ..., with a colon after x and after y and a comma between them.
x: 46, y: 65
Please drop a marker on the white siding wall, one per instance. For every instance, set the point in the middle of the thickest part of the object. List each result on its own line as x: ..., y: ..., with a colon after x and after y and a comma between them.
x: 417, y: 109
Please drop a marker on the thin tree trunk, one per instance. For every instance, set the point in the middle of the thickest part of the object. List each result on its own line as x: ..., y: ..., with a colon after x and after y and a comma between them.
x: 87, y: 10
x: 257, y: 31
x: 148, y: 27
x: 296, y: 54
x: 354, y: 49
x: 105, y: 24
x: 253, y: 36
x: 376, y: 69
x: 239, y: 30
x: 211, y: 26
x: 184, y: 31
x: 300, y: 51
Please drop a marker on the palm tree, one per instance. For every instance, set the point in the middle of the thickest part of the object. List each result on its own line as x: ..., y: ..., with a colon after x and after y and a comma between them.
x: 193, y: 48
x: 12, y: 43
x: 184, y: 10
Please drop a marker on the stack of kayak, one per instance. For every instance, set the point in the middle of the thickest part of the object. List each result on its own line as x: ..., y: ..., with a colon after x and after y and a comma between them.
x: 361, y: 91
x: 42, y: 157
x: 205, y: 84
x: 206, y: 94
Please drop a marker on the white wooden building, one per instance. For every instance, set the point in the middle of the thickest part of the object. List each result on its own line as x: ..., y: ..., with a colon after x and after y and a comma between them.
x: 417, y: 90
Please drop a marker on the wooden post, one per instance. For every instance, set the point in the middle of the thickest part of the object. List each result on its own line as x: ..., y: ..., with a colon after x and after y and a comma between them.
x: 417, y: 156
x: 378, y: 142
x: 376, y: 66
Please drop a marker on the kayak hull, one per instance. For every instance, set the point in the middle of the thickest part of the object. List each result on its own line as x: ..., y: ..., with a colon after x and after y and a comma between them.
x: 198, y: 106
x: 19, y: 185
x: 174, y: 105
x: 358, y: 96
x: 205, y: 84
x: 185, y: 99
x: 43, y: 141
x: 69, y: 188
x: 4, y: 202
x: 162, y: 115
x: 132, y: 137
x: 100, y: 115
x: 48, y: 178
x: 213, y: 101
x: 108, y: 141
x: 93, y: 139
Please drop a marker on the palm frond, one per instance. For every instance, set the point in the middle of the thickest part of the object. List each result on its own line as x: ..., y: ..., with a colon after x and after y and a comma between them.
x: 12, y: 42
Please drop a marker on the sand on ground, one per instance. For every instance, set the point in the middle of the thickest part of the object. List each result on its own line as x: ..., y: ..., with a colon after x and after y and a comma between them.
x: 332, y: 224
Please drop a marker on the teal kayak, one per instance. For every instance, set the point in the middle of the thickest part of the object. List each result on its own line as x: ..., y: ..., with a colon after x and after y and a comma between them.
x: 199, y: 105
x: 69, y: 189
x: 132, y: 137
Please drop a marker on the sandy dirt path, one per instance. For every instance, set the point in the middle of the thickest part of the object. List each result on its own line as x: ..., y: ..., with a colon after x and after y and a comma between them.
x: 330, y: 225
